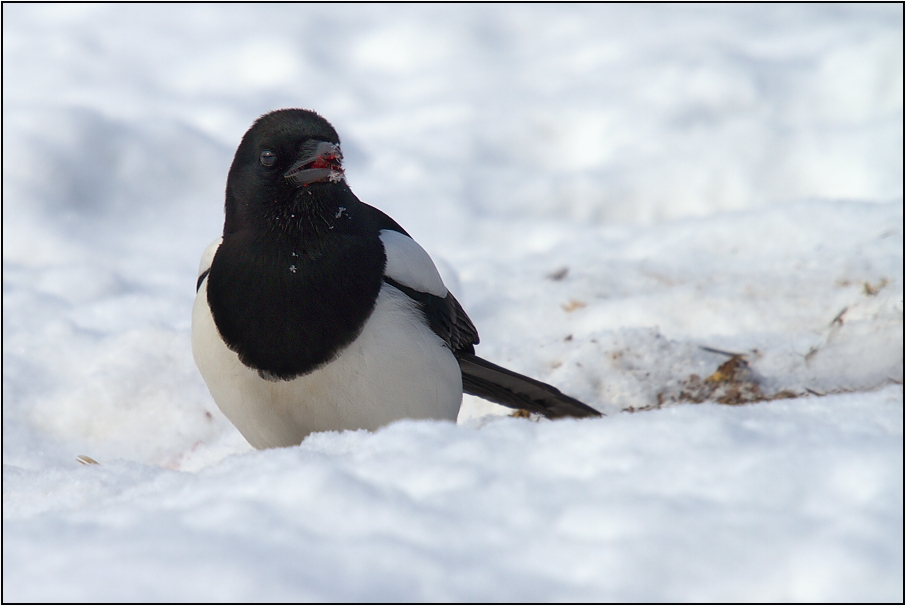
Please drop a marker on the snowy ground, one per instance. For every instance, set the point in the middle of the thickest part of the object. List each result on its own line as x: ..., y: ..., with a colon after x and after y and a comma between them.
x: 608, y: 189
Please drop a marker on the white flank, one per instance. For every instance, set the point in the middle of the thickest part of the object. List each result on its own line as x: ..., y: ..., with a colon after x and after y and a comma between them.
x: 396, y: 369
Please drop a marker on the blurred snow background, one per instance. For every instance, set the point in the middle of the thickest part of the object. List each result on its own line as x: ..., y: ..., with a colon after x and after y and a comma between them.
x: 607, y: 189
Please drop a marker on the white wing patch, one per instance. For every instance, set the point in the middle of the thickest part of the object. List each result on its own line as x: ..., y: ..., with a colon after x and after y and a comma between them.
x: 410, y: 265
x: 207, y: 257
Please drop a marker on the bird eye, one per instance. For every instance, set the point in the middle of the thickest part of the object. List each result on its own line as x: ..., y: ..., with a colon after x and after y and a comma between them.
x: 267, y: 157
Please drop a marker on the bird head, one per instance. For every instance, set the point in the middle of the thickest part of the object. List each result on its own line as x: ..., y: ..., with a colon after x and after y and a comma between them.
x: 283, y: 153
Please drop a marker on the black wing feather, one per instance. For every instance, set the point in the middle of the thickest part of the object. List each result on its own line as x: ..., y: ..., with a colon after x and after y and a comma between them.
x: 446, y: 317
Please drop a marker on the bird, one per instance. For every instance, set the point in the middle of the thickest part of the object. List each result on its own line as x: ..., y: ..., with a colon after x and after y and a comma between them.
x: 317, y: 312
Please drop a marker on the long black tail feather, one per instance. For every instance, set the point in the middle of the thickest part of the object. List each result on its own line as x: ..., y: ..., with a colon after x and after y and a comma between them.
x: 497, y: 384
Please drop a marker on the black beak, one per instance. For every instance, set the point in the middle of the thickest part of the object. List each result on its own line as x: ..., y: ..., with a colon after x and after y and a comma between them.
x: 323, y: 163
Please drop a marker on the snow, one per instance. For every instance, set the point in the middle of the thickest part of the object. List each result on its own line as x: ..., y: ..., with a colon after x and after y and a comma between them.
x: 611, y: 191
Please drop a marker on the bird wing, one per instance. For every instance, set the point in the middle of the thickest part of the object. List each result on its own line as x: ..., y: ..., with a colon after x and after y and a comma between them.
x: 445, y: 316
x: 410, y: 269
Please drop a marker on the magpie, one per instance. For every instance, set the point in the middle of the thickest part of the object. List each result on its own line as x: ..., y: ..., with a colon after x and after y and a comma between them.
x: 315, y: 311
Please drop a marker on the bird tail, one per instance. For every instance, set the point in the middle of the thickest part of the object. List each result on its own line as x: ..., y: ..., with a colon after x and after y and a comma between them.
x: 497, y: 384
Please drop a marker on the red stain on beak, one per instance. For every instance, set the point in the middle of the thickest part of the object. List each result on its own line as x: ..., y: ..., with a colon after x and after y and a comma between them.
x: 324, y: 164
x: 327, y: 161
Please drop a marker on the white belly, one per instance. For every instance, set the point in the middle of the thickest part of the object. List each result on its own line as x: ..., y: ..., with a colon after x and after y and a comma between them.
x: 396, y: 369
